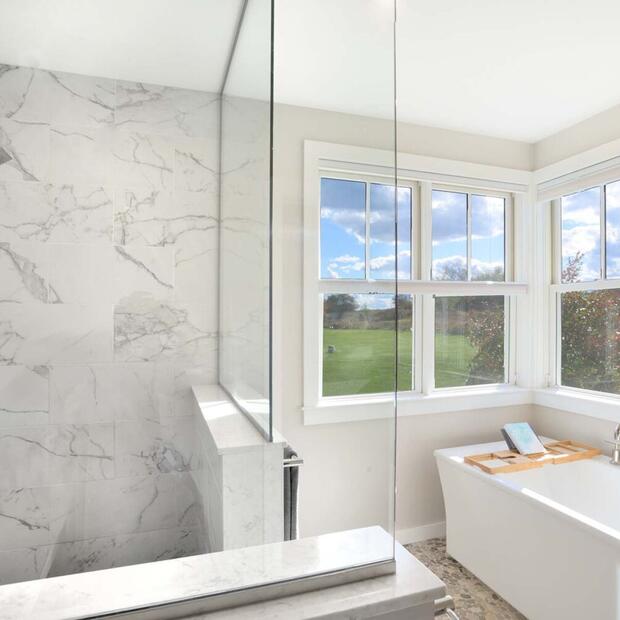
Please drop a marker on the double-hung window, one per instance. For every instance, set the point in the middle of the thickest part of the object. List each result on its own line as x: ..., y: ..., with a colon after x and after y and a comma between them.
x: 451, y: 326
x: 586, y: 289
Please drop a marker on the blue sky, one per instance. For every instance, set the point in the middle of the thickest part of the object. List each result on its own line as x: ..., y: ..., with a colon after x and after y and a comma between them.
x: 343, y: 230
x: 581, y: 230
x: 450, y: 233
x: 343, y: 246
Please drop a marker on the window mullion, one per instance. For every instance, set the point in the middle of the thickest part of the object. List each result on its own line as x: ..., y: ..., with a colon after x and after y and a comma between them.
x: 367, y: 230
x: 469, y: 248
x: 603, y: 218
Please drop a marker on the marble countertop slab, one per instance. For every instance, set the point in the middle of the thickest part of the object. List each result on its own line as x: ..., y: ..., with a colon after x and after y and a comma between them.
x: 98, y: 592
x: 411, y: 585
x: 230, y: 428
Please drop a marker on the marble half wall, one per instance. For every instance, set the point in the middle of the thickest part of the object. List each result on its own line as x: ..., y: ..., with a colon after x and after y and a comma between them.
x: 108, y: 313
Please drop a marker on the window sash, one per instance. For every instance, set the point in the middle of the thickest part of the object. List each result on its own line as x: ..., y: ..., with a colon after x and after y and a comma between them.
x: 423, y: 290
x: 557, y: 287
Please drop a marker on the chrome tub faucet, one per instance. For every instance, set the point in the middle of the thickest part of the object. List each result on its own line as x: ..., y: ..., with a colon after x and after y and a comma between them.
x: 615, y: 455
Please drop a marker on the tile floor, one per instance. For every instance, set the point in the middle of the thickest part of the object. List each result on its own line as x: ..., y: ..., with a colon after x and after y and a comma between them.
x: 473, y: 600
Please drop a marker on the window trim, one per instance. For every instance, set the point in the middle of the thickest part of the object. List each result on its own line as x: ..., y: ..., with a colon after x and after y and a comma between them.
x: 558, y: 392
x: 423, y: 173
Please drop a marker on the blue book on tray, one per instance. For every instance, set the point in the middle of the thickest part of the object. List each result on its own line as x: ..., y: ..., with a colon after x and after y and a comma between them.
x: 523, y: 438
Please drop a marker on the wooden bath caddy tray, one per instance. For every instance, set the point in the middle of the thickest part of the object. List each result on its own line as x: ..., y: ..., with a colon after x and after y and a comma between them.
x: 506, y: 461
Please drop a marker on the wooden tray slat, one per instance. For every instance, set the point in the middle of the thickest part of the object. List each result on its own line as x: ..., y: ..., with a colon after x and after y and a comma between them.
x: 506, y: 461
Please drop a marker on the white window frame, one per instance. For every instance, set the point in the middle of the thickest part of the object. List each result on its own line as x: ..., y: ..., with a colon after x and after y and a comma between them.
x: 558, y: 287
x: 423, y: 174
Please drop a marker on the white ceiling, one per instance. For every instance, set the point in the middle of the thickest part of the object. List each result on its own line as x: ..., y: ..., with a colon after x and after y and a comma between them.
x: 518, y: 69
x: 183, y: 43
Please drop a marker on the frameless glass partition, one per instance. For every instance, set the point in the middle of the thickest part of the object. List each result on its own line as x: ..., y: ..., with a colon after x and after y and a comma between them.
x: 166, y: 234
x: 245, y: 217
x: 343, y: 336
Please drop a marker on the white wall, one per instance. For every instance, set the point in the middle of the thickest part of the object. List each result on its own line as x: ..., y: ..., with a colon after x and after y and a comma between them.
x: 346, y: 479
x: 594, y: 131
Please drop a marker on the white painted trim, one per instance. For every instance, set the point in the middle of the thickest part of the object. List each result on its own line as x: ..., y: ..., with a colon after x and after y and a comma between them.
x: 420, y: 533
x: 573, y: 164
x: 591, y: 404
x: 442, y: 288
x: 381, y: 406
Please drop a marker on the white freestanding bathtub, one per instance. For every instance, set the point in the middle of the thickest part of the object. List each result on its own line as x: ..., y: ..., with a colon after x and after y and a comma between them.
x: 546, y: 539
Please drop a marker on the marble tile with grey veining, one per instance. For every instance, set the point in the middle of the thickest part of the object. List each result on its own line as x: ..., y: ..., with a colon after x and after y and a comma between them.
x: 23, y: 564
x: 24, y: 151
x: 41, y: 334
x: 146, y: 329
x: 128, y: 505
x: 196, y: 166
x: 161, y: 109
x: 56, y: 454
x: 24, y: 272
x: 145, y: 447
x: 122, y: 550
x: 81, y: 154
x: 24, y: 395
x: 152, y: 217
x: 184, y: 402
x: 84, y: 274
x: 50, y: 213
x: 23, y: 94
x: 80, y: 99
x: 107, y: 392
x: 143, y: 160
x: 37, y: 516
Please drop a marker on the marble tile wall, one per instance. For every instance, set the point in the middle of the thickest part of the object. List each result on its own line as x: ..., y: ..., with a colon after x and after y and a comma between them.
x: 108, y: 313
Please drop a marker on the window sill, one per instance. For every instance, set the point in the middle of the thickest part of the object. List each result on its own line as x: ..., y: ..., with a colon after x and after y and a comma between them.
x: 332, y: 411
x: 578, y: 401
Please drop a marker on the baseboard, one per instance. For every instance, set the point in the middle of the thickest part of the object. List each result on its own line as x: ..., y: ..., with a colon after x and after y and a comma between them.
x: 422, y: 532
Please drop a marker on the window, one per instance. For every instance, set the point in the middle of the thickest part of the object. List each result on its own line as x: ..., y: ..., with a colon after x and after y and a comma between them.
x: 358, y: 242
x: 447, y: 247
x: 468, y: 236
x: 587, y: 295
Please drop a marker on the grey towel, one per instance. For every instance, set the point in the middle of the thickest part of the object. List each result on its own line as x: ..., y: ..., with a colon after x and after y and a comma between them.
x: 291, y: 490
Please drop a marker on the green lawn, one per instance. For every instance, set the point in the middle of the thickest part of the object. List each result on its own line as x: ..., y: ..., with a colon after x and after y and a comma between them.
x: 363, y: 362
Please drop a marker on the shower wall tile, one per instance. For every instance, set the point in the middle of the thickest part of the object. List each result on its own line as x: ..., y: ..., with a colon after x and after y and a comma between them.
x: 122, y: 550
x: 143, y: 160
x: 147, y: 329
x: 24, y: 395
x: 82, y: 274
x: 24, y: 272
x: 39, y: 334
x: 24, y: 94
x: 81, y: 154
x: 165, y: 110
x: 50, y: 213
x: 40, y: 515
x: 23, y: 564
x: 108, y: 278
x: 148, y: 447
x: 146, y: 216
x: 56, y: 454
x: 196, y: 163
x: 24, y: 150
x: 80, y: 99
x: 109, y: 392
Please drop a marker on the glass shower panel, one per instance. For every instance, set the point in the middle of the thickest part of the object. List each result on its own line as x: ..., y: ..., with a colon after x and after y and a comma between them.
x: 335, y: 221
x: 245, y: 216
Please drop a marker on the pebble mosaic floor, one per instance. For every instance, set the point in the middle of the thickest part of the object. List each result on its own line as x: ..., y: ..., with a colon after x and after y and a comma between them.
x: 472, y: 599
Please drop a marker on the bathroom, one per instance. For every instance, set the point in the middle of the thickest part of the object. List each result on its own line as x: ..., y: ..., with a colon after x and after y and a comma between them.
x: 274, y: 274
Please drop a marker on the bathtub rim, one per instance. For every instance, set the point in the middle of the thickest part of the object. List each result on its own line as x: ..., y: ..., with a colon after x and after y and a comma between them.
x: 454, y: 458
